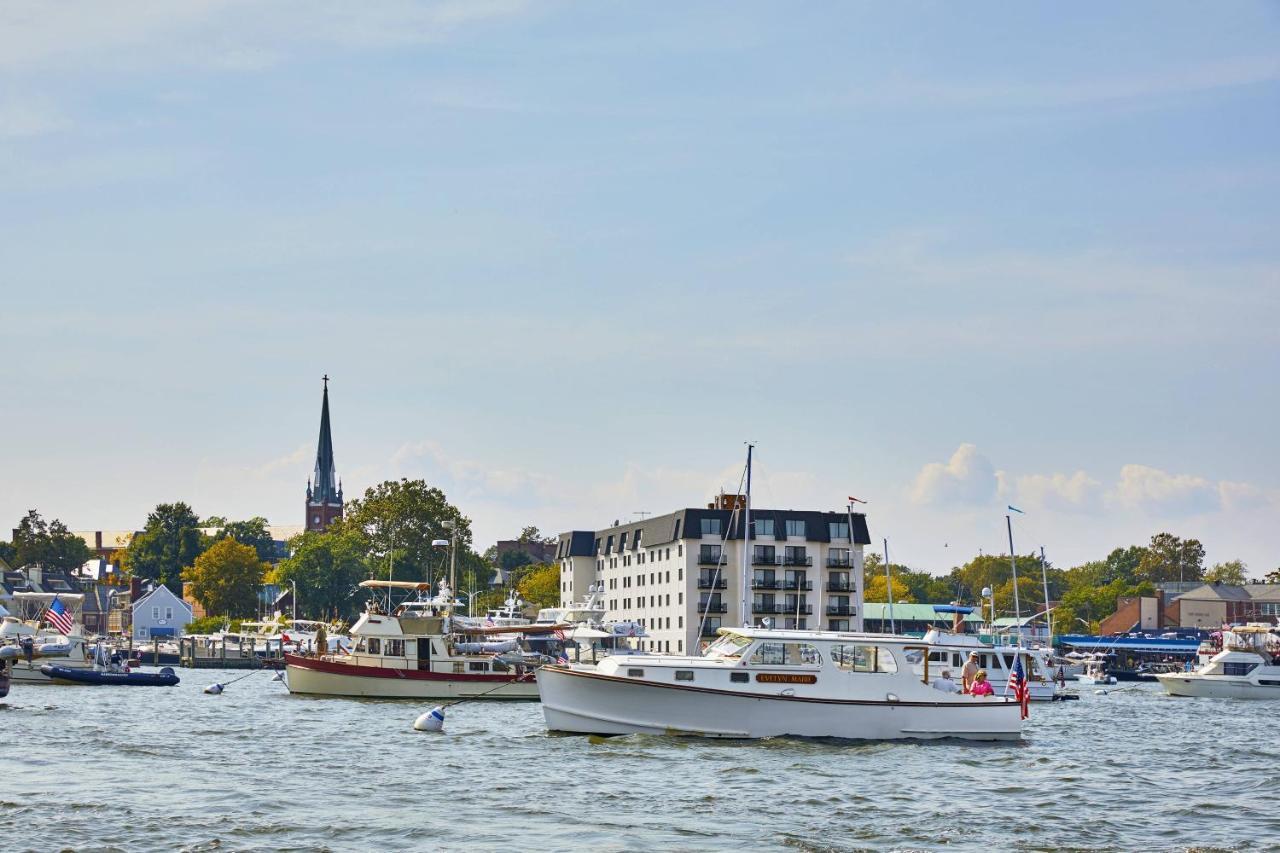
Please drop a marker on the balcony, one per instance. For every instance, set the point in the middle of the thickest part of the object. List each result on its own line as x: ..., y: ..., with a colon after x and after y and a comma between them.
x: 765, y: 560
x: 712, y: 583
x: 839, y: 610
x: 782, y: 609
x: 839, y: 586
x: 706, y: 558
x: 713, y: 607
x: 708, y: 630
x: 797, y: 560
x: 780, y: 583
x: 838, y: 563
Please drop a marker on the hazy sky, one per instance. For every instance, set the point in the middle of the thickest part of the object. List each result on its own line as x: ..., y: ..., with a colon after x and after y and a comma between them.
x: 563, y: 259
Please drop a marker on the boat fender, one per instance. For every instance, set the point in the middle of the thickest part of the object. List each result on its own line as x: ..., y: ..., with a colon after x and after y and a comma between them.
x: 432, y: 721
x: 214, y: 690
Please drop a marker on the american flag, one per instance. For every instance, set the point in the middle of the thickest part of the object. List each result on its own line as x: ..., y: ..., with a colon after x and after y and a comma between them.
x: 1018, y: 681
x: 58, y: 617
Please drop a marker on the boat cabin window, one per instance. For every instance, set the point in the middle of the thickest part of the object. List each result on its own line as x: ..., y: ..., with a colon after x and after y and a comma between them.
x: 854, y: 658
x: 479, y: 666
x: 938, y: 657
x: 1235, y: 667
x: 729, y: 646
x: 785, y: 654
x: 394, y: 648
x: 375, y: 646
x: 635, y: 673
x: 740, y: 677
x: 360, y: 645
x: 687, y: 674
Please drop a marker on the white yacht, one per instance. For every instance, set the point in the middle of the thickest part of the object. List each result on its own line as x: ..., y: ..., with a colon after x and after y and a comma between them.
x: 762, y: 682
x: 1247, y: 667
x: 1095, y: 672
x: 418, y: 652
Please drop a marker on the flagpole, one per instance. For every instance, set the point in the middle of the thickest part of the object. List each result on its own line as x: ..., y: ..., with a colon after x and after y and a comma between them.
x: 1017, y: 610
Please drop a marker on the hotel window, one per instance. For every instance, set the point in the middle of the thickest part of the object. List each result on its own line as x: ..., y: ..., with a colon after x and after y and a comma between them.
x: 668, y: 577
x: 608, y: 547
x: 635, y: 540
x: 677, y: 536
x: 680, y: 550
x: 597, y: 546
x: 764, y: 526
x: 710, y: 526
x: 622, y: 542
x: 838, y: 529
x: 795, y: 527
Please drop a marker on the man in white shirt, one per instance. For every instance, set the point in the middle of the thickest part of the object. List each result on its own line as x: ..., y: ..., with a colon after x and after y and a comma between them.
x: 945, y: 684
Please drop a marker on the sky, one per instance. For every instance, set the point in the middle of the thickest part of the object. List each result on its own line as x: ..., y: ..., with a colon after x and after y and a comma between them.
x: 562, y: 260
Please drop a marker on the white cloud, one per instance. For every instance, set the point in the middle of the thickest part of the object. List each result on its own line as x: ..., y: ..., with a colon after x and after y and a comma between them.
x: 1141, y: 487
x: 968, y: 477
x: 1075, y: 493
x: 1240, y: 497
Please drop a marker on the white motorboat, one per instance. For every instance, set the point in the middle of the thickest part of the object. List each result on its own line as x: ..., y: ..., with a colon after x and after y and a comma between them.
x: 762, y: 682
x: 1247, y: 667
x: 1095, y: 672
x: 29, y: 640
x: 950, y: 650
x: 418, y: 652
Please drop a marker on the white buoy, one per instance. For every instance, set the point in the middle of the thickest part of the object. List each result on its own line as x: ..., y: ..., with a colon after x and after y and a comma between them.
x: 214, y: 690
x: 432, y: 721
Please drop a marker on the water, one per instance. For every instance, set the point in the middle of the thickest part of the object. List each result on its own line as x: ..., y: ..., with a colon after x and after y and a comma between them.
x: 258, y: 769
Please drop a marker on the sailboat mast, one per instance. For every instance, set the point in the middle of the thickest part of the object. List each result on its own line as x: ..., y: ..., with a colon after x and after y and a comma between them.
x: 746, y: 541
x: 888, y: 585
x: 1017, y: 610
x: 1044, y: 578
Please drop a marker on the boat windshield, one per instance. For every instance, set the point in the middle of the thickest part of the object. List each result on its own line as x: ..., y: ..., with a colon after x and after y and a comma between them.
x: 729, y: 646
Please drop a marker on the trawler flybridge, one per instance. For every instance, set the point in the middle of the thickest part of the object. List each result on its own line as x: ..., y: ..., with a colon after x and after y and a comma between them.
x: 758, y: 682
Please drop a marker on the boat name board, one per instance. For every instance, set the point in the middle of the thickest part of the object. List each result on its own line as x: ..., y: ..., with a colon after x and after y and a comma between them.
x: 785, y: 678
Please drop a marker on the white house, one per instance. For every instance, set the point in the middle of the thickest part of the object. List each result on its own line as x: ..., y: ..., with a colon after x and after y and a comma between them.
x: 160, y: 613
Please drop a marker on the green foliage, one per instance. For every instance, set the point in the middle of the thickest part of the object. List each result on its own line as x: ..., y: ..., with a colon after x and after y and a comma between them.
x: 225, y: 578
x: 1274, y: 576
x: 8, y: 554
x: 533, y: 534
x: 327, y: 568
x: 253, y: 533
x: 540, y: 585
x: 1231, y: 572
x: 207, y: 625
x: 512, y: 560
x: 404, y: 516
x: 169, y: 543
x: 51, y: 545
x: 874, y: 589
x: 1169, y: 558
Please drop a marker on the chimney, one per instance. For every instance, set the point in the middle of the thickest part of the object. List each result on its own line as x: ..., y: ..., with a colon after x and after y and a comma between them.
x: 97, y: 540
x: 957, y: 620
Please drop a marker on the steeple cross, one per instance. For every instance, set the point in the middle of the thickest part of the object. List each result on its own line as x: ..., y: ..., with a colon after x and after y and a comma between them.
x: 326, y: 381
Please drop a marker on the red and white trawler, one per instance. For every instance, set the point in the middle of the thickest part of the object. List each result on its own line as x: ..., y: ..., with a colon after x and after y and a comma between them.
x: 420, y: 651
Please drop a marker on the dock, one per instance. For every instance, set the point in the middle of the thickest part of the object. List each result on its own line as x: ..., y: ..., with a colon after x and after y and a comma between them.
x: 227, y: 655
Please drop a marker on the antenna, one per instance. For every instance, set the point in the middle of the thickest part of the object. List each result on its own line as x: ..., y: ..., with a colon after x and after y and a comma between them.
x: 642, y: 513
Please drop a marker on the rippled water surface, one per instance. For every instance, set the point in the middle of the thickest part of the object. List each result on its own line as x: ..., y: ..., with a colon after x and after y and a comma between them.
x: 257, y: 769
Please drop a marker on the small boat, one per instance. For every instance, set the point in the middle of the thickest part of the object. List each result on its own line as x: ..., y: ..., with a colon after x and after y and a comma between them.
x: 1095, y: 672
x: 1247, y: 667
x: 66, y: 675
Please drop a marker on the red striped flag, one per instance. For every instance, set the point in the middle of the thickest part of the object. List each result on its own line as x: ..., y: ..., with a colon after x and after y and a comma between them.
x: 58, y: 617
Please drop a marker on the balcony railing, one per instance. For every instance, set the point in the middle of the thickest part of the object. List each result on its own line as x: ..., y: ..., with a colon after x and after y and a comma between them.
x: 765, y: 560
x: 797, y: 560
x: 713, y: 607
x: 838, y: 563
x: 782, y: 609
x: 705, y: 559
x: 839, y: 586
x: 710, y: 583
x: 781, y: 583
x: 839, y: 610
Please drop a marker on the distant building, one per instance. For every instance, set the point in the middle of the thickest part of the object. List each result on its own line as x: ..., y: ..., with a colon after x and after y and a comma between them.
x: 104, y: 543
x: 1209, y: 605
x: 160, y: 613
x: 679, y: 574
x: 324, y: 491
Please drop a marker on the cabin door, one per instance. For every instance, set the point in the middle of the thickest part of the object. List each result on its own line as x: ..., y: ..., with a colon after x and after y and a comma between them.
x: 424, y: 654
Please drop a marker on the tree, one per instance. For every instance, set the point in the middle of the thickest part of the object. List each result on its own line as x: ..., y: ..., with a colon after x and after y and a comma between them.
x: 252, y: 532
x: 226, y: 578
x: 991, y: 570
x: 50, y: 545
x: 168, y: 544
x: 540, y: 585
x: 1169, y: 558
x: 874, y: 590
x: 534, y: 535
x: 1231, y: 573
x: 1274, y: 577
x: 512, y: 560
x: 404, y: 517
x: 327, y: 568
x: 8, y: 554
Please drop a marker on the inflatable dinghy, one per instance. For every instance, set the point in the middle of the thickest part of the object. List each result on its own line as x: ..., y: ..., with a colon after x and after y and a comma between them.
x: 164, y: 678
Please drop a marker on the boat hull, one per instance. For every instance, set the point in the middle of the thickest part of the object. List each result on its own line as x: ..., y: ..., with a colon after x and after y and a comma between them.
x: 29, y: 672
x: 313, y: 677
x: 590, y: 703
x: 1216, y: 686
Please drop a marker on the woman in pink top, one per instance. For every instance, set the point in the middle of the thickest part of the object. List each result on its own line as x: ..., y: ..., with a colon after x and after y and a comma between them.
x: 981, y: 687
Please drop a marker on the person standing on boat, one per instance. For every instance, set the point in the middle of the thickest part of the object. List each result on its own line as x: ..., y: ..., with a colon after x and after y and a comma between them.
x: 970, y: 672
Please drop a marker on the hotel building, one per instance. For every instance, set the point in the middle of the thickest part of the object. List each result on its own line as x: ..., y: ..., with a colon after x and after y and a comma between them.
x: 680, y: 574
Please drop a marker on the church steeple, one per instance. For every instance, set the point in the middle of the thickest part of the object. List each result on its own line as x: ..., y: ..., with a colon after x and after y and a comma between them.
x: 324, y: 491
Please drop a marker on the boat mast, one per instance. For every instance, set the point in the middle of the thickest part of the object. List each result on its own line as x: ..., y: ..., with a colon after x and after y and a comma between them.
x: 746, y: 541
x: 1044, y: 578
x: 1017, y: 610
x: 888, y: 585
